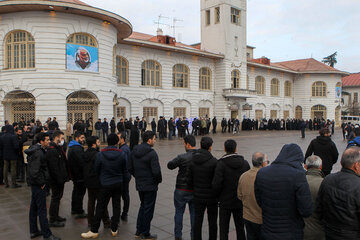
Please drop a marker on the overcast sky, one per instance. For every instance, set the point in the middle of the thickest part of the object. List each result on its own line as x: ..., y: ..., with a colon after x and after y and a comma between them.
x: 279, y: 29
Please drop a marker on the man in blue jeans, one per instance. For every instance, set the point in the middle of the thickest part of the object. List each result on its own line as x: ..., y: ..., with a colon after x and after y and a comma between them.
x: 184, y: 192
x: 144, y: 166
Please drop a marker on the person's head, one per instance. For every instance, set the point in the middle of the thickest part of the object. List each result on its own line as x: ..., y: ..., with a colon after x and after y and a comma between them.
x: 54, y: 118
x: 104, y: 119
x: 43, y: 139
x: 313, y: 162
x: 230, y: 146
x: 93, y: 142
x: 58, y: 138
x: 351, y: 159
x: 79, y: 137
x: 122, y: 138
x: 18, y: 131
x: 189, y: 142
x: 324, y: 132
x: 99, y: 120
x: 357, y: 132
x: 149, y: 138
x: 113, y: 118
x: 206, y: 143
x: 260, y: 160
x: 112, y: 139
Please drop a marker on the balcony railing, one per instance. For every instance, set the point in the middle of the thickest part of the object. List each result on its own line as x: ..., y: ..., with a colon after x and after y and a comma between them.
x: 238, y: 92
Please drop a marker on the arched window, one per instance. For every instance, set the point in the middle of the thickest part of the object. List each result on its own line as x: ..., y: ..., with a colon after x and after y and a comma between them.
x: 83, y: 39
x: 247, y: 82
x: 19, y: 50
x: 151, y: 73
x: 122, y: 70
x: 205, y: 78
x: 181, y: 76
x: 288, y: 89
x: 298, y: 112
x: 319, y: 89
x: 235, y: 77
x: 260, y: 85
x: 275, y: 87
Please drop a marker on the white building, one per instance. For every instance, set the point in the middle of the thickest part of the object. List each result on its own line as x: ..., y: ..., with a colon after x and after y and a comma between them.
x: 350, y: 94
x: 73, y: 61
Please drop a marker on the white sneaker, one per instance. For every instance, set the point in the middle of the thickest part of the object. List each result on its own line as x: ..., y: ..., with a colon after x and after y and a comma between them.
x: 89, y: 235
x: 114, y: 234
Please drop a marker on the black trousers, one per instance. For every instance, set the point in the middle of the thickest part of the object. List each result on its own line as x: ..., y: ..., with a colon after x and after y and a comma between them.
x: 253, y: 230
x: 212, y: 212
x: 57, y: 192
x: 225, y: 215
x: 1, y: 170
x: 20, y: 168
x: 77, y: 197
x: 93, y: 196
x: 107, y: 192
x: 146, y: 212
x: 125, y: 197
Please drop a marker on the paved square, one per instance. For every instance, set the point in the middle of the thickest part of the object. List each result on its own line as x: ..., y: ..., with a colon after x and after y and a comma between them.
x: 14, y: 203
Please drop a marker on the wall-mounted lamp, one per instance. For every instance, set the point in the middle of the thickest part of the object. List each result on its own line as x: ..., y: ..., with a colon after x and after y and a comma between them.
x: 106, y: 22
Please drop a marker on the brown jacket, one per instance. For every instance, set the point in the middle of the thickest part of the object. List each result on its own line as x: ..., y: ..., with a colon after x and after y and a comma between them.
x: 251, y: 210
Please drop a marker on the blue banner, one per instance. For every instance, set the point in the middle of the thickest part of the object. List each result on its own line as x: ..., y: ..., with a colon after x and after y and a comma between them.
x: 82, y: 58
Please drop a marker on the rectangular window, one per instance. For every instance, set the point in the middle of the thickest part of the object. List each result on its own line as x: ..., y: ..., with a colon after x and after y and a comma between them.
x: 149, y: 113
x: 286, y: 114
x: 204, y: 112
x: 235, y: 16
x: 273, y: 114
x: 179, y: 112
x: 217, y: 15
x: 258, y: 114
x: 356, y: 97
x: 207, y: 17
x: 121, y: 112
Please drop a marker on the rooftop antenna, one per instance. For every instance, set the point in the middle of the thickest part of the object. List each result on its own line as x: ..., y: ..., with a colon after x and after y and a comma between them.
x: 175, y: 20
x: 159, y: 21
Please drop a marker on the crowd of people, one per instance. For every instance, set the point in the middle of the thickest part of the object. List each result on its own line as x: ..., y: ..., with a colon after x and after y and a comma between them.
x: 287, y: 199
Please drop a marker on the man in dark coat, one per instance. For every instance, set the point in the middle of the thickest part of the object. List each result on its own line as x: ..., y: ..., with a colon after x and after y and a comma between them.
x: 223, y: 125
x: 134, y: 137
x: 125, y: 195
x: 76, y: 163
x: 10, y: 150
x: 142, y: 125
x: 112, y: 125
x: 325, y: 148
x: 144, y: 166
x: 92, y: 181
x: 105, y: 129
x: 183, y: 193
x: 338, y: 201
x: 171, y: 125
x: 214, y: 124
x: 38, y: 178
x: 121, y: 125
x: 58, y: 171
x: 161, y: 128
x: 153, y: 126
x: 227, y: 174
x: 283, y: 193
x: 201, y: 174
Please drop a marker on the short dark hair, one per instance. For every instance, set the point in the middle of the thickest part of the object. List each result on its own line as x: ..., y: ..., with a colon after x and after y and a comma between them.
x: 190, y: 139
x: 122, y: 135
x: 17, y: 129
x: 41, y: 136
x: 230, y: 146
x: 357, y: 132
x: 324, y: 131
x: 57, y: 134
x: 148, y: 135
x: 78, y: 134
x: 112, y: 139
x: 91, y: 140
x: 206, y: 143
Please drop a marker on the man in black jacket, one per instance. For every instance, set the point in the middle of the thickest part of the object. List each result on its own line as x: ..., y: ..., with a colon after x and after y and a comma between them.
x: 325, y: 148
x: 38, y: 177
x: 112, y: 125
x: 201, y: 174
x: 183, y: 193
x: 338, y: 200
x: 227, y: 174
x: 76, y: 162
x: 121, y: 125
x: 58, y: 171
x: 214, y: 123
x: 10, y: 150
x: 144, y: 166
x: 125, y: 195
x: 110, y: 164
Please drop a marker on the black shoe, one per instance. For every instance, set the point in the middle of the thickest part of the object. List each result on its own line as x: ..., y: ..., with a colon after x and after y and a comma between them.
x: 124, y: 217
x: 178, y: 238
x: 52, y: 237
x: 60, y: 219
x: 35, y: 235
x: 57, y: 224
x: 138, y: 235
x: 149, y: 237
x: 16, y: 186
x: 82, y: 215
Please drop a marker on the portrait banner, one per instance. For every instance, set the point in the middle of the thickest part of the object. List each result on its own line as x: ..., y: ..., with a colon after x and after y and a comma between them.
x: 82, y: 58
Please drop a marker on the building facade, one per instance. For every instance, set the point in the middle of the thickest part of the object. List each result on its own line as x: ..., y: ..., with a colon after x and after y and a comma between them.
x: 73, y: 61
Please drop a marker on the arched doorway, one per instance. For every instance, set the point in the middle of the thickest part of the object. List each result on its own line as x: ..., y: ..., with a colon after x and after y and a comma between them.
x: 298, y: 112
x: 318, y: 111
x: 82, y: 105
x: 19, y: 104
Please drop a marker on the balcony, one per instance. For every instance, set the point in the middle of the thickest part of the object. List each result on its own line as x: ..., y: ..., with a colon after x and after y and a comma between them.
x: 238, y: 93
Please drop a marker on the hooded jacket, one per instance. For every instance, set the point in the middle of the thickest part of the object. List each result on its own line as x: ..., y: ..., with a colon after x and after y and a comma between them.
x: 283, y: 193
x: 201, y: 174
x: 76, y: 161
x: 144, y: 166
x: 9, y: 144
x: 227, y: 173
x: 110, y: 164
x: 325, y: 148
x: 37, y: 170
